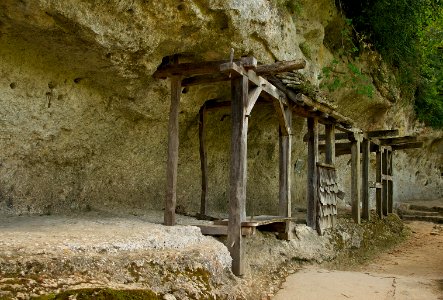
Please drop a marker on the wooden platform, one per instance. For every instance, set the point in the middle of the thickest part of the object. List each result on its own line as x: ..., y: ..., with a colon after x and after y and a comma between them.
x: 283, y: 226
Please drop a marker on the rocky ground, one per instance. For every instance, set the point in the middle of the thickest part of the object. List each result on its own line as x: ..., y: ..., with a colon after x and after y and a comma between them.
x: 98, y: 255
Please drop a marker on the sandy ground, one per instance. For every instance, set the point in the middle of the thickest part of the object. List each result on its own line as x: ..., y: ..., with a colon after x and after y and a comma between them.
x: 412, y: 270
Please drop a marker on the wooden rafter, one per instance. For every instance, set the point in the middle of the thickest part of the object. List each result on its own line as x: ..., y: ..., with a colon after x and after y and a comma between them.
x: 405, y: 146
x: 382, y: 133
x: 207, y: 67
x: 397, y: 140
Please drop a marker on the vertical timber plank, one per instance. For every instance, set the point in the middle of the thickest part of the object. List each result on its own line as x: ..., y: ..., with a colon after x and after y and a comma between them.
x: 378, y: 179
x: 391, y: 183
x: 312, y: 172
x: 365, y: 179
x: 285, y: 146
x: 385, y: 182
x: 355, y: 179
x: 173, y: 143
x: 203, y: 161
x: 330, y: 144
x: 237, y: 181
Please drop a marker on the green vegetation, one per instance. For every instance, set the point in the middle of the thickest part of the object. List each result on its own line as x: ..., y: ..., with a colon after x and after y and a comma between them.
x: 343, y: 72
x: 105, y: 294
x: 409, y: 36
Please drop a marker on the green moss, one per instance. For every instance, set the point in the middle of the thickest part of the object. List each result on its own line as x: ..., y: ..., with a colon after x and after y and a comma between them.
x: 376, y: 236
x: 306, y: 50
x: 103, y: 294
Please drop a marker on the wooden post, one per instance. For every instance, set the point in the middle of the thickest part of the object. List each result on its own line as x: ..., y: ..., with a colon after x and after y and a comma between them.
x: 285, y: 147
x: 385, y: 191
x: 312, y: 172
x: 173, y: 142
x: 237, y: 195
x: 355, y: 178
x: 366, y: 145
x: 378, y: 179
x: 203, y: 162
x: 330, y: 144
x: 390, y: 183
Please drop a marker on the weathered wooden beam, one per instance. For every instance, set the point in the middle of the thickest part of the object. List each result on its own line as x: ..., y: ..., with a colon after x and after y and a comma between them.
x: 173, y: 143
x: 406, y: 146
x: 285, y: 170
x: 204, y: 79
x: 324, y: 109
x: 397, y: 140
x: 330, y: 137
x: 381, y: 133
x: 253, y: 96
x: 208, y: 67
x: 355, y: 180
x: 385, y: 189
x: 269, y: 89
x: 322, y: 137
x: 391, y: 183
x: 375, y: 185
x: 385, y: 176
x: 345, y: 148
x: 366, y: 150
x: 280, y: 67
x: 203, y: 161
x: 312, y: 193
x: 238, y: 166
x: 378, y: 178
x: 281, y: 116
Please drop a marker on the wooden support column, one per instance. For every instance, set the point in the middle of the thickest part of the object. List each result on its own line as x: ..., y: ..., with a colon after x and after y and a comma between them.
x: 355, y: 178
x: 312, y: 172
x: 366, y: 145
x: 390, y: 183
x: 237, y: 195
x: 330, y: 144
x: 385, y: 190
x: 173, y: 142
x: 285, y: 147
x: 378, y: 179
x: 203, y: 162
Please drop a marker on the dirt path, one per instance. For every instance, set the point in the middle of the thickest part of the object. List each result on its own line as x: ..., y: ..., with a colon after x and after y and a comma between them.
x: 412, y: 270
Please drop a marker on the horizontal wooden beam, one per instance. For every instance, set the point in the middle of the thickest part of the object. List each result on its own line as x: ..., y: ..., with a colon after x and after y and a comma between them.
x: 375, y: 185
x: 386, y: 177
x: 204, y: 79
x: 213, y: 67
x: 381, y: 133
x: 344, y: 148
x: 406, y: 146
x: 397, y: 140
x: 207, y: 67
x: 322, y: 137
x: 280, y: 67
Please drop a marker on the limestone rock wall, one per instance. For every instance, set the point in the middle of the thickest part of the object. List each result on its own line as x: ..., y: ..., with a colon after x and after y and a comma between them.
x: 83, y: 124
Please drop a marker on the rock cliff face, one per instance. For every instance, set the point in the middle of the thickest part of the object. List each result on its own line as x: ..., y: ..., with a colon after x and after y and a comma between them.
x: 83, y: 124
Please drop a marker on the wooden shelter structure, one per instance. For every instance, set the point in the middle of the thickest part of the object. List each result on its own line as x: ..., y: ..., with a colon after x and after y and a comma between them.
x: 249, y: 81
